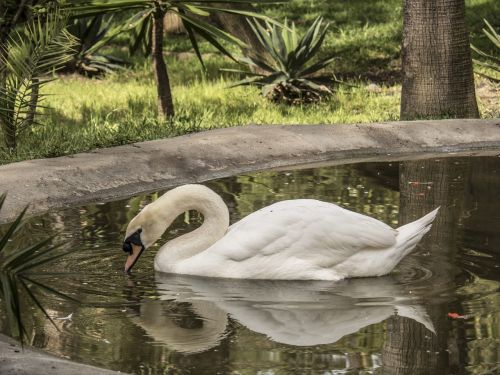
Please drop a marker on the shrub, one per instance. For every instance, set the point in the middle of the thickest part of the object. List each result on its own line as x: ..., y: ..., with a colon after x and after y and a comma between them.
x: 93, y: 33
x: 286, y: 73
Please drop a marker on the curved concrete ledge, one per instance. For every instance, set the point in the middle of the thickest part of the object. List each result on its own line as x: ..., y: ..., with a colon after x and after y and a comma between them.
x: 111, y: 173
x: 17, y: 361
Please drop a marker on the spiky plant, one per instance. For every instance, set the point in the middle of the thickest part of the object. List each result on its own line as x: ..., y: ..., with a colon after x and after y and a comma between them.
x: 93, y: 33
x: 29, y: 59
x: 286, y: 73
x: 17, y: 268
x: 490, y: 63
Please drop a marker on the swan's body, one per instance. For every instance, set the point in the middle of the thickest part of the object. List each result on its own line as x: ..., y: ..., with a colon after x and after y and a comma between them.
x: 302, y: 239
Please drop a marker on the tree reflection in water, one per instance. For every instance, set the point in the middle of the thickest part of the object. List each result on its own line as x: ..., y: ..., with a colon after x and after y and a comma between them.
x: 424, y: 185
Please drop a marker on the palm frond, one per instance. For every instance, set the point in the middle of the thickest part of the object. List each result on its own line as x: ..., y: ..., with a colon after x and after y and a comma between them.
x: 140, y: 27
x: 484, y: 54
x: 16, y: 268
x: 34, y: 298
x: 489, y: 62
x: 30, y: 57
x: 87, y: 8
x: 12, y: 304
x: 194, y: 42
x: 491, y: 33
x: 12, y: 229
x: 209, y: 32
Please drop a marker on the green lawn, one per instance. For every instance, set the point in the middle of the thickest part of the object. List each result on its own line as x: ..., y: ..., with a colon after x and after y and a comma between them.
x: 90, y: 113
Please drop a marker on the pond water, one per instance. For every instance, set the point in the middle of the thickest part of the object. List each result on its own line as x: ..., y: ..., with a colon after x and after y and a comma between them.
x: 438, y: 313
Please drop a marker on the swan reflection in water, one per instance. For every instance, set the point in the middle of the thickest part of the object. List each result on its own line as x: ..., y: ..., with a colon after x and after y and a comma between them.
x: 192, y: 314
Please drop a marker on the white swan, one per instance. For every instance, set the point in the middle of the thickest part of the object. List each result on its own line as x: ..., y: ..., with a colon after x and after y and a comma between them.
x: 301, y: 239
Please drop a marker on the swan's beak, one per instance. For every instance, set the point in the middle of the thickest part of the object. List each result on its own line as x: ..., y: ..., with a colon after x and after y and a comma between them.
x: 134, y: 247
x: 133, y: 257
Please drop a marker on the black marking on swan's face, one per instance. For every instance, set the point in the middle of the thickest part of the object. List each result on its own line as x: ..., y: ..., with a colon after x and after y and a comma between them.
x: 134, y: 238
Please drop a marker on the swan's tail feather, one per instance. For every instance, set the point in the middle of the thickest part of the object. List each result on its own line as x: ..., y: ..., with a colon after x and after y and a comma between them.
x: 411, y: 234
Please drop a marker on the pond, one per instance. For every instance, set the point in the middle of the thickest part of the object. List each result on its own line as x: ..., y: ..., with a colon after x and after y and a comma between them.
x: 437, y: 313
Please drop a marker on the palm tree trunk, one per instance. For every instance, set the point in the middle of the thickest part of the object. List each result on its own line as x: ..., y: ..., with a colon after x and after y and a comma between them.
x: 165, y: 103
x: 437, y: 69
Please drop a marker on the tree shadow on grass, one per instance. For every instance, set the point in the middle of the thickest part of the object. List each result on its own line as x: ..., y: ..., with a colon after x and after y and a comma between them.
x: 339, y: 13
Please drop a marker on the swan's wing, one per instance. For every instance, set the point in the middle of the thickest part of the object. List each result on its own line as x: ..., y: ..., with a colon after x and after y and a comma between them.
x: 305, y: 229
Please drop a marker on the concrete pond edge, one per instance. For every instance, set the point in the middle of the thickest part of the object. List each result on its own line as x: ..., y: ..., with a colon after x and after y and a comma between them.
x: 17, y: 360
x: 118, y: 172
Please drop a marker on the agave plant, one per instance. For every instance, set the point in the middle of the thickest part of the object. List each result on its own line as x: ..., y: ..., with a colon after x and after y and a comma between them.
x: 93, y: 33
x: 286, y: 73
x: 16, y: 275
x: 490, y: 62
x: 28, y: 61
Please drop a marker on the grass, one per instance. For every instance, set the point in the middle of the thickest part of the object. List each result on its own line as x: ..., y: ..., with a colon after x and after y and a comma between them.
x: 88, y: 114
x: 120, y: 109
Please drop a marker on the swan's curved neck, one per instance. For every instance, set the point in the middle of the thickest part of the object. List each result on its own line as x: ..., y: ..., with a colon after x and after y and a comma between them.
x: 214, y: 227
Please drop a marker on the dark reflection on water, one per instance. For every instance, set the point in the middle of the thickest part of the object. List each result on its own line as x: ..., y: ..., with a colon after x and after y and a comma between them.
x: 150, y: 323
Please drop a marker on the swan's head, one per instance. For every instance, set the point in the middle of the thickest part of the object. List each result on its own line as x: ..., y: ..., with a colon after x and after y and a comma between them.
x: 142, y: 232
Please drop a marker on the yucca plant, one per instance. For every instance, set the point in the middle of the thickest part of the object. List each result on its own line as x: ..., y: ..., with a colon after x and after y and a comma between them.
x: 29, y: 59
x: 286, y: 73
x: 93, y: 33
x: 489, y: 62
x: 17, y: 267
